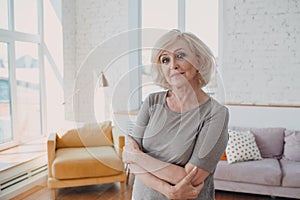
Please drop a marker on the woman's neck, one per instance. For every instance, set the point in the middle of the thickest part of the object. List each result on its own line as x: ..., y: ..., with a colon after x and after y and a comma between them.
x: 181, y: 99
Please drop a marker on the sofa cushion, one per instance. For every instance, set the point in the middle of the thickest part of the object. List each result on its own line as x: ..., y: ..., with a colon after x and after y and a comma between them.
x: 269, y: 140
x: 265, y: 172
x: 291, y: 173
x: 292, y: 145
x: 86, y: 162
x: 241, y: 147
x: 87, y: 136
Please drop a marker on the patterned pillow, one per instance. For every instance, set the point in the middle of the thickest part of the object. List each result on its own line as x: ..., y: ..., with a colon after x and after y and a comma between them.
x: 241, y: 147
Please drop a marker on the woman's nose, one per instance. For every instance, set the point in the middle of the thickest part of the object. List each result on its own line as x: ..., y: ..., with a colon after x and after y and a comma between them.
x: 173, y: 64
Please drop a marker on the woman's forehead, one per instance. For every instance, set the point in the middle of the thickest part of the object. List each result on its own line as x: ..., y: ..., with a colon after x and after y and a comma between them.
x: 177, y: 45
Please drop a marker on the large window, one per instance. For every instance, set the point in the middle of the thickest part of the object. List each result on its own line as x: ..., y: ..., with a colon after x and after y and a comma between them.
x: 197, y: 16
x: 156, y: 15
x: 202, y: 20
x: 5, y: 100
x: 28, y: 89
x: 20, y: 71
x: 26, y: 16
x: 3, y: 14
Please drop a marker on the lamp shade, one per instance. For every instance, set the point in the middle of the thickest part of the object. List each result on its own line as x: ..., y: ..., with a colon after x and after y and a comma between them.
x: 103, y: 81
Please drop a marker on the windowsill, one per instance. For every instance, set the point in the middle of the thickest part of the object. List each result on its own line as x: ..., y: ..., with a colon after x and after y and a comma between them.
x: 21, y: 154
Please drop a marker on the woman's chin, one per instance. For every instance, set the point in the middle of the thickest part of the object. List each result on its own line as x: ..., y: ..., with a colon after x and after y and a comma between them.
x: 179, y: 83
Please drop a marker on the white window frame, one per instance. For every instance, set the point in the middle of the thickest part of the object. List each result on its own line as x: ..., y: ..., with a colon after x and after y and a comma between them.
x: 134, y: 22
x: 10, y: 36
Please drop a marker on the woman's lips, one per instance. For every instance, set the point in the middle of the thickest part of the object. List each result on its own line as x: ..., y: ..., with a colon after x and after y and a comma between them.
x: 177, y: 74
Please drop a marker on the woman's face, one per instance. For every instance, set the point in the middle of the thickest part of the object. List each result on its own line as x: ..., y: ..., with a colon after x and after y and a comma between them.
x: 179, y: 64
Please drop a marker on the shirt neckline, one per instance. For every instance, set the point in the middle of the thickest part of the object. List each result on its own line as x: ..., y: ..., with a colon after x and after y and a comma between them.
x: 187, y: 111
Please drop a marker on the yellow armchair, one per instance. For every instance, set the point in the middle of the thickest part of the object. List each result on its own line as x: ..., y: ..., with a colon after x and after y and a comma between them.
x: 86, y: 156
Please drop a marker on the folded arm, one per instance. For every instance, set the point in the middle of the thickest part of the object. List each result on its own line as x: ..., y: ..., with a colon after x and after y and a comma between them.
x: 170, y: 173
x: 182, y: 190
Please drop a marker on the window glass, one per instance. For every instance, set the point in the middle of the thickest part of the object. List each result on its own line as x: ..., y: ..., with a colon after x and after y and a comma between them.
x: 28, y: 89
x: 160, y: 15
x: 5, y: 100
x: 3, y: 14
x: 202, y: 20
x: 26, y: 19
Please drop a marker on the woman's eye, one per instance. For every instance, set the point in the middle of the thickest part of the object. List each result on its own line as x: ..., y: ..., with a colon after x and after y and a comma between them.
x: 165, y: 60
x: 180, y: 55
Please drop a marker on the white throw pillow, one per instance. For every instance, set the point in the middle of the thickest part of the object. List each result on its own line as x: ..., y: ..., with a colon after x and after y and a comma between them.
x: 241, y: 147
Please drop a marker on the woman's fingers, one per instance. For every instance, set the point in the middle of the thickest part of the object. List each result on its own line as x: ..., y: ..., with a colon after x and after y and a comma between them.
x: 184, y: 189
x: 130, y: 150
x: 197, y: 190
x: 199, y: 187
x: 188, y: 178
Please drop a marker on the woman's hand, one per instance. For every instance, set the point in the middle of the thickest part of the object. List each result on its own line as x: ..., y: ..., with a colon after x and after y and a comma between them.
x: 184, y: 189
x: 200, y: 176
x: 130, y: 151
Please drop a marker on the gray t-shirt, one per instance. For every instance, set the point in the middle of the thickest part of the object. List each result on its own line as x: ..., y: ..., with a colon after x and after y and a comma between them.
x: 198, y: 136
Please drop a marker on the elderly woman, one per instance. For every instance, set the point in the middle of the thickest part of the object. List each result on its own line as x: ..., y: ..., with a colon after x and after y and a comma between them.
x: 180, y: 133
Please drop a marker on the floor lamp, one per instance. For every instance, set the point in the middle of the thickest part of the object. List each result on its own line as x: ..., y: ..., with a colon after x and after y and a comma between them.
x: 102, y: 80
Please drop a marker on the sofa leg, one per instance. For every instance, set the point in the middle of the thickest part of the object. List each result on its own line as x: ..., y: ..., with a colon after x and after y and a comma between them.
x: 53, y: 193
x: 122, y: 185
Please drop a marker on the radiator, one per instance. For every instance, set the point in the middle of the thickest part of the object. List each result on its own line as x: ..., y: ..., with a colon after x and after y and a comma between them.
x: 18, y: 179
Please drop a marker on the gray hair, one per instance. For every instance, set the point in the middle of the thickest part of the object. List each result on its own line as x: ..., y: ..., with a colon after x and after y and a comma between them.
x: 202, y: 52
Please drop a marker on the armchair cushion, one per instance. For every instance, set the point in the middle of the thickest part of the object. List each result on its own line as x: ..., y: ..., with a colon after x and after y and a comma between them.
x: 72, y: 163
x: 89, y: 135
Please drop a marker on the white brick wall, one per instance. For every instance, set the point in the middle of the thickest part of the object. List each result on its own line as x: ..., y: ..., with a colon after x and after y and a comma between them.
x: 86, y: 24
x: 261, y: 51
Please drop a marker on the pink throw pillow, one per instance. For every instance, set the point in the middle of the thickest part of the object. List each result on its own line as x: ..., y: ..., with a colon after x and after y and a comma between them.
x: 292, y: 145
x: 269, y: 141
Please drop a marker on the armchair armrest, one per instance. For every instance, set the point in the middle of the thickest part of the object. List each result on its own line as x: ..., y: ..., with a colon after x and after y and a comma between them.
x: 51, y: 147
x: 119, y: 140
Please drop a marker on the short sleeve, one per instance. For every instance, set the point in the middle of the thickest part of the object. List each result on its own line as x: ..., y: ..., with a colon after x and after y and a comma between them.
x: 141, y: 122
x: 212, y: 140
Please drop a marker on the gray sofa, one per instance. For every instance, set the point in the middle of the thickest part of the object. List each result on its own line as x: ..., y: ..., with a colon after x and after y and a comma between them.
x: 277, y: 174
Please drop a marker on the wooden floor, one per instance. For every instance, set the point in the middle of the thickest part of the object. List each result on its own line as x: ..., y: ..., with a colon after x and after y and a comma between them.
x: 112, y: 192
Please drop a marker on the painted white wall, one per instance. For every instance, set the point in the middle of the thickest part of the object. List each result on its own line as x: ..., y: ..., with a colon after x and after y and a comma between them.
x: 262, y: 117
